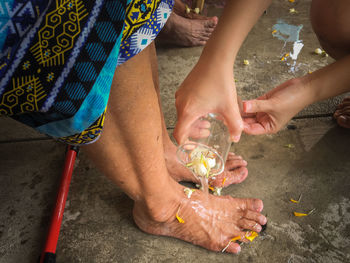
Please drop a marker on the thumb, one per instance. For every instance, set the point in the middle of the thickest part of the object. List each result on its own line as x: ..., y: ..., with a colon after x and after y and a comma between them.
x: 252, y: 106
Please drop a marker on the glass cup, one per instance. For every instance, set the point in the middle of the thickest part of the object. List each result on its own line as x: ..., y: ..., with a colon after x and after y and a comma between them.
x: 206, y: 149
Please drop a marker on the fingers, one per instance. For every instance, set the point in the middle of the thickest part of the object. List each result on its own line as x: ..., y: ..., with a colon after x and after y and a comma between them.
x: 199, y: 129
x: 251, y: 126
x: 252, y: 106
x: 182, y: 128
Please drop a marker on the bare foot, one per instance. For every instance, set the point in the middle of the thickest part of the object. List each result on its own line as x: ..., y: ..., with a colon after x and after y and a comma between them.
x: 210, y: 223
x: 188, y: 32
x: 235, y: 169
x: 342, y: 114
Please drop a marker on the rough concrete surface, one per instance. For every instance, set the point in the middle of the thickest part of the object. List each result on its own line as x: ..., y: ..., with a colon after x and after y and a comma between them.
x: 98, y: 225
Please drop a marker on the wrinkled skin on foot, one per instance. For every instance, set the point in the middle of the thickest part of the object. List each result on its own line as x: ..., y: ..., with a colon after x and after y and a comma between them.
x: 210, y: 223
x: 235, y: 169
x: 235, y: 172
x: 342, y: 114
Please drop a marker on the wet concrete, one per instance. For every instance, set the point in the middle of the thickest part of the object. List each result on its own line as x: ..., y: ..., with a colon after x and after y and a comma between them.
x: 98, y: 225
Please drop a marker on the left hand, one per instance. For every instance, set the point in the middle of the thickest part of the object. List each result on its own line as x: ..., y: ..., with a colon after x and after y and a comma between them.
x: 270, y: 112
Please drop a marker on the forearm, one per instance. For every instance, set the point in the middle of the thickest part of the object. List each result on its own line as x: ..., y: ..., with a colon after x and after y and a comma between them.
x: 238, y: 18
x: 329, y: 81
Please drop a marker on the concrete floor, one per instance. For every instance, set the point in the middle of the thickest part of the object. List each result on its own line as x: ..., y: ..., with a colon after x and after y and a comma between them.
x: 98, y: 225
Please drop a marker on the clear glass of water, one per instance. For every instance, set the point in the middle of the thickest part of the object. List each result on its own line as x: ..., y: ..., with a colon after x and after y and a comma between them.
x: 207, y: 147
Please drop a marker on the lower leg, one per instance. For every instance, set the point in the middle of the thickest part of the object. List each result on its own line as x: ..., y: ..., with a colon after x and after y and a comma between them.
x: 130, y: 150
x: 330, y: 21
x: 130, y: 153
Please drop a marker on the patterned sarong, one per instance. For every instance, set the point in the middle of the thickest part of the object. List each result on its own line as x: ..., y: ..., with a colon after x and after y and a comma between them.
x: 58, y: 59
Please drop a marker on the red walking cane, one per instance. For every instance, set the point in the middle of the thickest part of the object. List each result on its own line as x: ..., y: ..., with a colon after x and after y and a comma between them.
x: 48, y: 255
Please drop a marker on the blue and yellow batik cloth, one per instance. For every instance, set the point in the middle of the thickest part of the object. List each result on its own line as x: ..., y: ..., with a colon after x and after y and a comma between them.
x: 58, y: 59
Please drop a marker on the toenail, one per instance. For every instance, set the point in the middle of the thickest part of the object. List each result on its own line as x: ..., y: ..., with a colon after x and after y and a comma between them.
x: 257, y: 227
x: 238, y: 249
x: 257, y: 206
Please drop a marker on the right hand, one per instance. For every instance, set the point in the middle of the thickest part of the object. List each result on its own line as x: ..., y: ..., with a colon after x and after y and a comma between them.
x: 208, y: 88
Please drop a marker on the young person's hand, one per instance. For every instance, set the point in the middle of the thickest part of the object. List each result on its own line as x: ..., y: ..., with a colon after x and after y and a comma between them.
x: 207, y: 89
x: 270, y: 112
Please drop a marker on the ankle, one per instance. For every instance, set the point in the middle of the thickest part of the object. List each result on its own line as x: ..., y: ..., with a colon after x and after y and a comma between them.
x: 169, y: 25
x: 161, y: 209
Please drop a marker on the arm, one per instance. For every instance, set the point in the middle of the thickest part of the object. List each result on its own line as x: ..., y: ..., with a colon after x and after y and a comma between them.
x: 331, y: 80
x: 274, y: 109
x: 210, y: 86
x: 237, y: 20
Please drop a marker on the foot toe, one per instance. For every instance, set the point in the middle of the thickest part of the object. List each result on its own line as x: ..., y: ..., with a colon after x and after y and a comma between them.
x: 344, y: 121
x: 235, y: 163
x: 251, y: 204
x: 342, y: 114
x: 249, y: 225
x: 227, y: 178
x: 337, y: 113
x: 255, y: 217
x: 210, y: 23
x: 233, y: 248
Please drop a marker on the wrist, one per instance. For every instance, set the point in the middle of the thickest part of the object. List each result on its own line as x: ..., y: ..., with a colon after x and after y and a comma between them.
x: 306, y: 94
x: 309, y: 91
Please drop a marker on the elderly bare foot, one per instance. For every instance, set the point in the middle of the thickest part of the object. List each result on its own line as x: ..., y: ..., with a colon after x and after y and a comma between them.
x: 342, y: 114
x: 235, y: 169
x: 235, y: 172
x: 188, y: 32
x: 209, y: 221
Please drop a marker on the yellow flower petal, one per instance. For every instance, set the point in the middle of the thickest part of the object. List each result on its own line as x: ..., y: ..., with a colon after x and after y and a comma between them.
x: 189, y: 164
x: 274, y: 31
x: 223, y: 181
x: 300, y: 214
x: 181, y: 221
x: 251, y: 235
x: 285, y: 56
x: 294, y: 201
x: 235, y: 238
x: 289, y: 145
